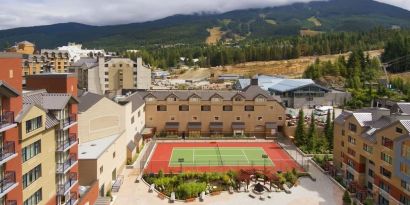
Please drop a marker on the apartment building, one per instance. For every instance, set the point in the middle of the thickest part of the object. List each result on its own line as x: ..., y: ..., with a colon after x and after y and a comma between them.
x: 372, y: 154
x: 57, y: 60
x: 110, y: 75
x: 10, y: 148
x: 251, y: 112
x: 23, y: 47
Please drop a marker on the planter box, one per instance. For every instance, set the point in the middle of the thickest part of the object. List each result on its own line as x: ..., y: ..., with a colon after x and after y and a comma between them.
x: 190, y: 200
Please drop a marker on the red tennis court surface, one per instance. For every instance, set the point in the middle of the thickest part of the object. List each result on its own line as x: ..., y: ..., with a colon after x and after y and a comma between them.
x: 160, y: 159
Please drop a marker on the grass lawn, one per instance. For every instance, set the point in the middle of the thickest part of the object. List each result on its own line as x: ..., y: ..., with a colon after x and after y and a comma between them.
x: 222, y: 156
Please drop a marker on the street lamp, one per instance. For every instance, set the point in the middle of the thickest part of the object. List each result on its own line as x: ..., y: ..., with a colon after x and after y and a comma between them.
x: 181, y: 160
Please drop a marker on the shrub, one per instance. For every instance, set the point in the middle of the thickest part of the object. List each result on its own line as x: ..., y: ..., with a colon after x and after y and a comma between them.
x: 346, y: 198
x: 190, y: 190
x: 290, y: 177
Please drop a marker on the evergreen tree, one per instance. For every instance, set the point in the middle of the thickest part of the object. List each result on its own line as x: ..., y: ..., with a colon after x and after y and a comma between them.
x: 300, y: 134
x: 312, y: 134
x: 329, y: 130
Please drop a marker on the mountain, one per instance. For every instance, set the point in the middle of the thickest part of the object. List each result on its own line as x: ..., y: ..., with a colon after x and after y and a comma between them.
x: 313, y: 18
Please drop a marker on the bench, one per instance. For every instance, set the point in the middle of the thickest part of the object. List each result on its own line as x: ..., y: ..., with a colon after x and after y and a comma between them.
x: 151, y: 188
x: 252, y: 196
x: 172, y: 198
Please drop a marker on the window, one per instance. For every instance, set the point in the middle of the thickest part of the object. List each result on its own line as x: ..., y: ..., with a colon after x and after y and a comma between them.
x: 172, y: 118
x: 249, y: 108
x: 31, y: 176
x: 139, y: 113
x: 113, y: 155
x: 385, y: 172
x: 238, y: 118
x: 367, y: 148
x: 351, y: 152
x: 216, y: 118
x: 33, y: 124
x: 342, y: 143
x: 343, y: 132
x: 370, y: 173
x: 35, y: 198
x: 161, y: 108
x: 205, y: 108
x: 260, y: 99
x: 31, y: 151
x: 238, y: 99
x: 351, y: 140
x: 260, y: 118
x: 171, y: 99
x: 150, y: 99
x: 106, y: 65
x: 279, y: 118
x: 352, y: 127
x: 101, y: 169
x: 215, y: 99
x: 385, y: 187
x: 195, y: 118
x: 194, y: 99
x: 227, y: 108
x: 350, y: 163
x: 106, y: 79
x: 387, y: 142
x: 405, y: 185
x: 404, y: 200
x: 184, y: 108
x: 399, y: 130
x: 387, y: 158
x: 120, y: 65
x: 132, y: 120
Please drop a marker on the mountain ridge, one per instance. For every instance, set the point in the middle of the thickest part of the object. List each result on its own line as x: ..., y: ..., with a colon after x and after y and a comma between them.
x: 270, y: 22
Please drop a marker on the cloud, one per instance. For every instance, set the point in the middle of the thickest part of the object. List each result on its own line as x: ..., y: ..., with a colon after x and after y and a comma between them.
x: 19, y: 13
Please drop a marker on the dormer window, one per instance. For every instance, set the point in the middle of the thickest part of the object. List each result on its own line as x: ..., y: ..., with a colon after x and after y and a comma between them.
x: 150, y: 99
x: 260, y: 99
x: 215, y: 99
x: 171, y: 99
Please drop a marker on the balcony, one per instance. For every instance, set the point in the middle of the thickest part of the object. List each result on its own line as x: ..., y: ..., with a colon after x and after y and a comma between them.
x: 7, y: 152
x: 73, y: 200
x: 63, y: 189
x: 69, y: 121
x: 8, y: 183
x: 65, y: 145
x: 7, y: 121
x: 63, y: 168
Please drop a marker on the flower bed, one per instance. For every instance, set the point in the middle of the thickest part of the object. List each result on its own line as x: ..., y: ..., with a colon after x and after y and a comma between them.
x: 190, y: 185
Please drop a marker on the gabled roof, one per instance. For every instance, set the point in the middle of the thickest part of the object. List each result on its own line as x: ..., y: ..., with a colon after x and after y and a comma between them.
x: 7, y: 90
x: 404, y: 107
x: 87, y: 100
x: 137, y: 100
x: 49, y: 101
x: 363, y: 118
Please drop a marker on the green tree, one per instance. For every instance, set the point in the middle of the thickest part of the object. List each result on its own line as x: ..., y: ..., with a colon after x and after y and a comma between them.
x: 300, y: 134
x: 312, y: 138
x: 329, y: 129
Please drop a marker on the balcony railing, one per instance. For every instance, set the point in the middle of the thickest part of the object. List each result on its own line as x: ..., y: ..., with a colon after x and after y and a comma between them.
x: 6, y: 151
x: 64, y: 145
x: 11, y: 202
x: 62, y: 168
x: 73, y: 200
x: 64, y: 188
x: 6, y: 119
x: 71, y: 119
x: 8, y: 181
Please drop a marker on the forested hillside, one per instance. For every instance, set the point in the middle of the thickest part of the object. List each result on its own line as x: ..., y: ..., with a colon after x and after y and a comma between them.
x: 307, y: 18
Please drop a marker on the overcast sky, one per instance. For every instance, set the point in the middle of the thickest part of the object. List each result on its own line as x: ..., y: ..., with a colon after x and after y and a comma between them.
x: 18, y: 13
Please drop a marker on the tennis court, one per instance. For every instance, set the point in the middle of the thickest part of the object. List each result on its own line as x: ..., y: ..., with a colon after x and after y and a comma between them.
x: 211, y: 156
x: 219, y: 156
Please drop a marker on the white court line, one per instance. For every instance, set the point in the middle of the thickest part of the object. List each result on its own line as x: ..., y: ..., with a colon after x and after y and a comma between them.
x: 211, y: 155
x: 245, y: 155
x: 170, y: 158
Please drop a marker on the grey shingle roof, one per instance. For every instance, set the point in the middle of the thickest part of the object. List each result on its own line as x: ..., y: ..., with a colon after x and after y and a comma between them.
x: 363, y: 118
x: 249, y: 93
x: 48, y: 101
x: 87, y: 100
x: 137, y: 101
x: 406, y: 124
x: 51, y: 121
x: 404, y: 107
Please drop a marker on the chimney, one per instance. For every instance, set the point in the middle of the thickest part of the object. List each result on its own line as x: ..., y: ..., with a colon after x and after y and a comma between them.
x: 254, y: 81
x: 139, y: 62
